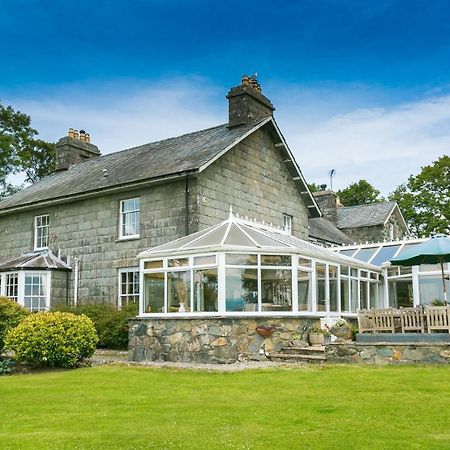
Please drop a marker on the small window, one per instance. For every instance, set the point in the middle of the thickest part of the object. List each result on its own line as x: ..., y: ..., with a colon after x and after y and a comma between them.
x: 129, y: 286
x: 41, y: 227
x: 153, y: 264
x: 129, y: 218
x: 12, y: 286
x: 287, y: 223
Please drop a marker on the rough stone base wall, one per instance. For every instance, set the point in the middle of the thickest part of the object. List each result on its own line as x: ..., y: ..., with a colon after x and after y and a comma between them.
x: 214, y: 340
x: 389, y: 353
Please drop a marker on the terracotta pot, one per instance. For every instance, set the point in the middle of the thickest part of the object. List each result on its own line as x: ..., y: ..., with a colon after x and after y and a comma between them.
x: 264, y: 331
x: 316, y: 339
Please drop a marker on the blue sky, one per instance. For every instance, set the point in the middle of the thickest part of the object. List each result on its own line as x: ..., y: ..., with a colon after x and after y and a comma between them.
x: 359, y: 86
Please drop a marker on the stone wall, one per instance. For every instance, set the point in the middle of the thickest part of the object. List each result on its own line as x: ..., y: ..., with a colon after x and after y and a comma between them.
x: 253, y: 178
x: 437, y: 353
x: 89, y: 231
x: 209, y: 340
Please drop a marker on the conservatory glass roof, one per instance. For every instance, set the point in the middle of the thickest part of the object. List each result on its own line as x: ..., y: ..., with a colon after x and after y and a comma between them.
x: 238, y: 234
x: 377, y: 253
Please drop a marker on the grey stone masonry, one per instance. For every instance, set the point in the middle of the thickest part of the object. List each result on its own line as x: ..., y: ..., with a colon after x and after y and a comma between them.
x: 209, y: 340
x: 253, y: 178
x: 71, y: 151
x: 384, y: 353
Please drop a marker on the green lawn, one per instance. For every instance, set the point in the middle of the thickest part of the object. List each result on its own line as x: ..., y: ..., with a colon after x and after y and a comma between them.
x: 348, y: 407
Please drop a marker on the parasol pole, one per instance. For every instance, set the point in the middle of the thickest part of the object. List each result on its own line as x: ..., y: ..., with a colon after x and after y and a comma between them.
x: 441, y: 259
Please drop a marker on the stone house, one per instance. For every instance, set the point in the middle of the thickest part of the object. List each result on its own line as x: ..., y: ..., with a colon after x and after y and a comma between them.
x: 74, y: 235
x: 341, y: 225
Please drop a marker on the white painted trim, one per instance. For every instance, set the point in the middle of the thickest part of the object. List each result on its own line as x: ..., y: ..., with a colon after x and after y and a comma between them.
x: 126, y: 237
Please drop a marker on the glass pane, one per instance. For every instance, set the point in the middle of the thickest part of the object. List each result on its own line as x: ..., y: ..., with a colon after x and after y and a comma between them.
x: 400, y: 293
x: 303, y: 262
x: 153, y: 264
x: 365, y: 254
x: 429, y: 268
x: 304, y: 291
x: 204, y: 260
x: 344, y: 270
x: 353, y: 272
x: 241, y: 290
x: 276, y: 289
x: 373, y: 276
x: 363, y: 298
x: 431, y: 288
x: 154, y: 292
x: 236, y: 259
x: 406, y: 270
x: 179, y: 291
x: 321, y: 287
x: 178, y: 262
x: 275, y: 260
x: 374, y: 300
x: 348, y: 252
x: 345, y: 295
x: 392, y: 271
x: 333, y: 282
x: 364, y: 274
x: 385, y: 254
x: 205, y: 290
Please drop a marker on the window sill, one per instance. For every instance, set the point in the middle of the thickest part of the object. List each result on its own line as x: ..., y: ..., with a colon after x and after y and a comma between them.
x: 129, y: 238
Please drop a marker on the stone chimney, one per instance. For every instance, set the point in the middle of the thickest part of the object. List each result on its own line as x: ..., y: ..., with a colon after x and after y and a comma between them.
x: 74, y: 148
x: 328, y: 202
x: 246, y: 103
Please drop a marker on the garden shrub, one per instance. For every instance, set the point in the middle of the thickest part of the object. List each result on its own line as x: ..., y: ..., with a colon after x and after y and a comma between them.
x: 110, y: 322
x: 54, y: 339
x: 11, y: 313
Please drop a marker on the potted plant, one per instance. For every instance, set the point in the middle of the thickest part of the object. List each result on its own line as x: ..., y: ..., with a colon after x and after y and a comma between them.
x: 342, y: 330
x: 317, y: 337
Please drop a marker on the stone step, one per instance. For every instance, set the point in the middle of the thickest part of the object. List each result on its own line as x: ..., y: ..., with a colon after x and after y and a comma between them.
x: 297, y: 358
x: 305, y: 349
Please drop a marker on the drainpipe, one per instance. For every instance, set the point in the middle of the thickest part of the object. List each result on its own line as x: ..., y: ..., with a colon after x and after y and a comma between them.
x: 186, y: 205
x: 75, y: 286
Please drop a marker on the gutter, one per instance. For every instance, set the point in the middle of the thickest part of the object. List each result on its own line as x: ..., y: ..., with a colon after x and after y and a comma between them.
x: 95, y: 193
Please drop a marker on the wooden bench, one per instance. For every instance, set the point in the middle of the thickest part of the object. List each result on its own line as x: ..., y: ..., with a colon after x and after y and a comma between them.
x: 384, y: 319
x: 365, y: 321
x: 438, y: 318
x: 412, y: 319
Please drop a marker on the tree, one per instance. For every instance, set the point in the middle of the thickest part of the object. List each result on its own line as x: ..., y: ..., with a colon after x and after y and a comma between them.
x: 21, y: 151
x: 313, y: 187
x: 425, y: 199
x: 360, y: 193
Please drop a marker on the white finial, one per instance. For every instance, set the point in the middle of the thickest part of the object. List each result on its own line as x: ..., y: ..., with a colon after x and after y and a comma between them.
x: 231, y: 212
x: 237, y: 215
x: 246, y: 217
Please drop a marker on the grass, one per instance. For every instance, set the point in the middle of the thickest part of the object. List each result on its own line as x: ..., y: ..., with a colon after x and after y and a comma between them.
x: 335, y: 407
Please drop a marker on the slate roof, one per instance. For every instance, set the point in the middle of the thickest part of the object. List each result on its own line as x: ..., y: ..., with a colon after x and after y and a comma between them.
x: 158, y: 159
x: 323, y: 230
x: 364, y: 215
x: 44, y: 260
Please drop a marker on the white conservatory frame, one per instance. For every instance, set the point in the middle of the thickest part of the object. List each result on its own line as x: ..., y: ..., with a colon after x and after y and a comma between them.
x: 284, y: 245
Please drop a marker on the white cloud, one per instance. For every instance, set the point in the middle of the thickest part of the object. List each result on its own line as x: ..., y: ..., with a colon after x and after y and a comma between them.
x: 325, y: 127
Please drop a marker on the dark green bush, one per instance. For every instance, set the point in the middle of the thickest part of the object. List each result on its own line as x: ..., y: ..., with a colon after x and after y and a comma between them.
x: 53, y: 339
x: 11, y: 313
x: 6, y: 366
x: 111, y: 323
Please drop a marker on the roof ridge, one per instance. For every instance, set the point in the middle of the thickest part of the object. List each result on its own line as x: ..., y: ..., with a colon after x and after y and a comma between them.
x: 367, y: 204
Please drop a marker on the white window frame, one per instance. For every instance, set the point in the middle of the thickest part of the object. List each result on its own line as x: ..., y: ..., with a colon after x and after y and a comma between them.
x: 125, y: 295
x: 21, y: 275
x: 122, y: 215
x: 41, y: 228
x: 287, y: 223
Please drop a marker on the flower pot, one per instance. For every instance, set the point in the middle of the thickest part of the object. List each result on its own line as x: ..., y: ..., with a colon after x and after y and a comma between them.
x: 264, y: 331
x: 316, y: 339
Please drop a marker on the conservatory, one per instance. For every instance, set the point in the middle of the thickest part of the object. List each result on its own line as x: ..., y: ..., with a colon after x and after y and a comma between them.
x: 401, y: 286
x: 244, y: 268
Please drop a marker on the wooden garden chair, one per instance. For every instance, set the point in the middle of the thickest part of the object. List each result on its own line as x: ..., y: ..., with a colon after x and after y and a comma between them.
x: 365, y: 321
x: 438, y: 318
x: 412, y: 319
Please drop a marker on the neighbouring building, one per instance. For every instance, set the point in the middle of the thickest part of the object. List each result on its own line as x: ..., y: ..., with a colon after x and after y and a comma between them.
x: 74, y: 235
x: 356, y: 224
